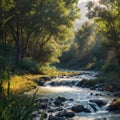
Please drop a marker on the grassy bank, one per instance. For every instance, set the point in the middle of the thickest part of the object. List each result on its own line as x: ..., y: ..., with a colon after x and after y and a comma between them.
x: 19, y: 84
x: 22, y: 83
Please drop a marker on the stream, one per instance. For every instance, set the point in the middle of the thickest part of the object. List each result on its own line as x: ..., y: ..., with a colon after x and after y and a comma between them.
x: 66, y: 87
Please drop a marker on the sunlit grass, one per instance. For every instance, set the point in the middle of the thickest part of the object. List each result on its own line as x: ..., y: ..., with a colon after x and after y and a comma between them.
x: 19, y: 84
x: 22, y: 83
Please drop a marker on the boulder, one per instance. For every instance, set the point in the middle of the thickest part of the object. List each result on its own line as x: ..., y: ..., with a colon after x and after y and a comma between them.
x: 78, y: 108
x: 66, y: 113
x: 69, y: 114
x: 55, y: 118
x: 61, y: 114
x: 99, y: 102
x: 62, y: 99
x: 41, y: 81
x: 70, y: 99
x: 58, y: 103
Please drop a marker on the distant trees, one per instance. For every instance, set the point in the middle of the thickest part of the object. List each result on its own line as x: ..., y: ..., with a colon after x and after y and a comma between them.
x: 85, y: 39
x: 107, y: 16
x: 87, y: 50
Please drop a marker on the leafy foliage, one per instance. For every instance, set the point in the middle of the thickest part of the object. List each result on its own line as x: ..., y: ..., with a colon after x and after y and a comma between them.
x: 87, y: 50
x: 106, y: 15
x: 36, y: 24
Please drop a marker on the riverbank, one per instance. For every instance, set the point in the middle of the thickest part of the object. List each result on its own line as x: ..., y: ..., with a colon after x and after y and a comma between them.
x: 22, y: 83
x: 104, y: 81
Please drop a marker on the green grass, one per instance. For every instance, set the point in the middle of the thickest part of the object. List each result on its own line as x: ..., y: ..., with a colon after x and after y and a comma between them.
x: 21, y: 83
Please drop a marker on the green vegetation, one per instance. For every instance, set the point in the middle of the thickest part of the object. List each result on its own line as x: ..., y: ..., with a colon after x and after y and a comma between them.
x: 97, y: 43
x: 87, y: 50
x: 35, y: 33
x: 16, y: 107
x: 36, y: 28
x: 108, y: 81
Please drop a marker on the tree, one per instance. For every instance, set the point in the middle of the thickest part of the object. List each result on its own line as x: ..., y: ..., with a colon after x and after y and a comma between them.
x: 38, y: 21
x: 107, y: 16
x: 6, y: 51
x: 85, y: 39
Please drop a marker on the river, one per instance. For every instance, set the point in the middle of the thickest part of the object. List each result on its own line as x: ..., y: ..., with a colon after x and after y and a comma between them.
x: 66, y: 86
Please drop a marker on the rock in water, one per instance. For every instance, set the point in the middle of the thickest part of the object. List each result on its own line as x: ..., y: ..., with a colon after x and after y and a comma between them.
x: 55, y: 118
x: 100, y: 103
x: 78, y: 108
x: 62, y: 99
x: 69, y: 114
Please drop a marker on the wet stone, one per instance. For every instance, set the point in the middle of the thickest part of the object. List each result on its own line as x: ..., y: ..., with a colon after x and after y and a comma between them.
x: 62, y: 99
x: 77, y: 108
x: 58, y: 103
x: 69, y: 114
x: 61, y: 114
x: 55, y: 118
x: 100, y: 103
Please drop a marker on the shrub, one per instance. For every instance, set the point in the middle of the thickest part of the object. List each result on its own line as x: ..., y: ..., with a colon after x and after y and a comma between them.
x: 28, y: 65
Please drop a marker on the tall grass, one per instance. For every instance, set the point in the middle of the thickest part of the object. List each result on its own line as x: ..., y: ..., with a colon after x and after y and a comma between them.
x: 16, y: 107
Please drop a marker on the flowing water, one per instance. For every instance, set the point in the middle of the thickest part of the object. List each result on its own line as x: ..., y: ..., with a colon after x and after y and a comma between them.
x: 65, y: 86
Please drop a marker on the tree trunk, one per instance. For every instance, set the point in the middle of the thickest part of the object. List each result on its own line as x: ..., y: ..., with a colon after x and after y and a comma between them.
x: 8, y: 89
x: 117, y: 51
x: 17, y: 53
x: 1, y: 90
x: 118, y: 58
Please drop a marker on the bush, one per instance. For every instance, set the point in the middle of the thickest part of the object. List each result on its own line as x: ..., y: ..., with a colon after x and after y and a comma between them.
x: 29, y: 66
x: 114, y: 67
x: 47, y: 70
